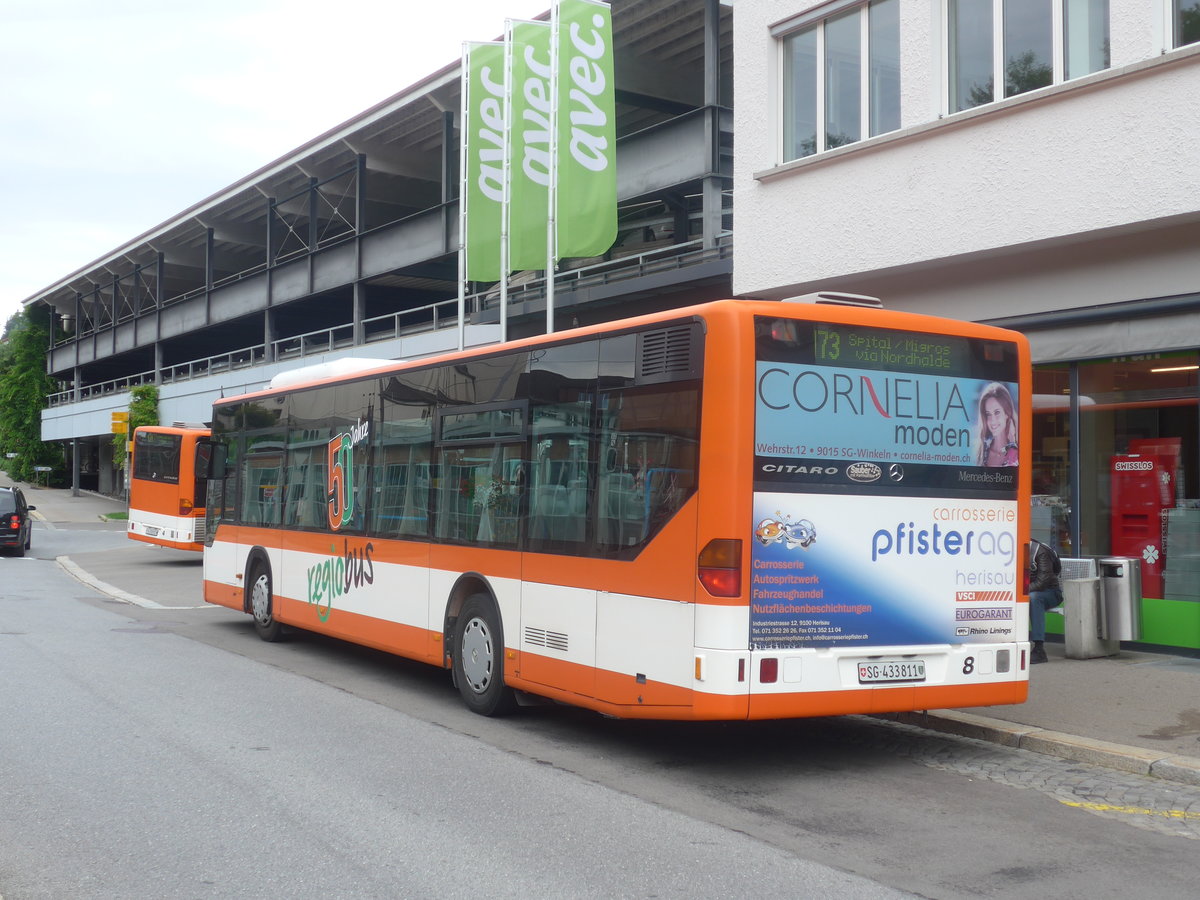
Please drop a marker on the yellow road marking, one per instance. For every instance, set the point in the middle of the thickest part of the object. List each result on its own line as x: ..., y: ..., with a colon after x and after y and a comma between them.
x: 1133, y: 810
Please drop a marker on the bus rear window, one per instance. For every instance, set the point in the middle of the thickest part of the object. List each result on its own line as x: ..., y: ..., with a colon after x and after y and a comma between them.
x: 156, y: 457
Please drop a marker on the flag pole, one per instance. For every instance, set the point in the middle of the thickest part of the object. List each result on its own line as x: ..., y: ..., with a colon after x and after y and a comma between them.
x: 506, y: 177
x: 552, y: 189
x: 462, y: 199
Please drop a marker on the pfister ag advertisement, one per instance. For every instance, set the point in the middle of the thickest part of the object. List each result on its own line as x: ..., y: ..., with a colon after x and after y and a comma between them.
x: 844, y: 570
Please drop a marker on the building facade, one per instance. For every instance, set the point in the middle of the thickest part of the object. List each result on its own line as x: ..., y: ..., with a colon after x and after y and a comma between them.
x: 1032, y: 165
x: 348, y: 245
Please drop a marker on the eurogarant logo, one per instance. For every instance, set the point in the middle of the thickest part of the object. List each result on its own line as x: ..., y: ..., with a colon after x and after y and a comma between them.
x: 984, y: 614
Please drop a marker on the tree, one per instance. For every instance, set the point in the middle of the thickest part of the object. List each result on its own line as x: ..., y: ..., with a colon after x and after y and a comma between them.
x: 24, y: 386
x: 143, y: 410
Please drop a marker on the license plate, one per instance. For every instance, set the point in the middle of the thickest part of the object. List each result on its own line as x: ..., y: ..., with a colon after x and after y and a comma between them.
x: 891, y: 670
x: 152, y: 531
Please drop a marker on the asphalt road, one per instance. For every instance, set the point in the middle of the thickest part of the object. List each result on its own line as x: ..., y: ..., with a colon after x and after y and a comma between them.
x: 167, y: 752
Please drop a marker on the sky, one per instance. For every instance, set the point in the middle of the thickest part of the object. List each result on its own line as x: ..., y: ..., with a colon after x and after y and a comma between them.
x: 117, y: 114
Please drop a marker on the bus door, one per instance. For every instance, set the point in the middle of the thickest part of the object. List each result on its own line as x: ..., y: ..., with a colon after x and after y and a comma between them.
x: 558, y: 611
x: 200, y: 465
x: 243, y: 505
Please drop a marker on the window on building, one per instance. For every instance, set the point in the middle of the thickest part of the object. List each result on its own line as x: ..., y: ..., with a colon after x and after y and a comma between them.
x: 841, y: 79
x: 1138, y: 465
x: 1187, y: 21
x: 1050, y: 454
x: 1085, y: 37
x: 1001, y: 48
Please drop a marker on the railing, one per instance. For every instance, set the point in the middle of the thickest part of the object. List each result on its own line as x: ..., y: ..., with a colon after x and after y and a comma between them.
x: 196, y: 368
x: 101, y: 389
x: 621, y: 268
x: 431, y: 317
x: 214, y: 365
x: 422, y: 319
x: 335, y: 338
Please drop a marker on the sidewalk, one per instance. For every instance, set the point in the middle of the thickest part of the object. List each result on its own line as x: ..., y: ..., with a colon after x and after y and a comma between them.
x: 1137, y: 712
x: 56, y: 505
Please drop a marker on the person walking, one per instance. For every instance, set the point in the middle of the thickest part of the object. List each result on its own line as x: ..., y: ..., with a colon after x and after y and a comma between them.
x: 1045, y: 592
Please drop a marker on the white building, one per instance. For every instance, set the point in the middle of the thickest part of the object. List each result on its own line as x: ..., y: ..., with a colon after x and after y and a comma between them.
x: 1032, y: 164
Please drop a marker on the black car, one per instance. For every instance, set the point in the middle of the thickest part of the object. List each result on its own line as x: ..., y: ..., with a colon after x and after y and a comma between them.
x: 16, y: 525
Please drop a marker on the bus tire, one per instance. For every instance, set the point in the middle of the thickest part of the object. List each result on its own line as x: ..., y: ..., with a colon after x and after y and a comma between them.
x: 479, y: 659
x: 262, y: 604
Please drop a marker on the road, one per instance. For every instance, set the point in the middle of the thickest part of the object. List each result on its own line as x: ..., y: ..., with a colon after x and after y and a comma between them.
x: 167, y: 752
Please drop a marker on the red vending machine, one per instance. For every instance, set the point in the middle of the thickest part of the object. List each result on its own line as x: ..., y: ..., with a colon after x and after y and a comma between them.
x: 1143, y: 485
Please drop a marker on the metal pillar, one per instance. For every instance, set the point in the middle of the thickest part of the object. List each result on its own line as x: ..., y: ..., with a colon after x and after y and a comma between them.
x: 711, y: 203
x: 74, y: 467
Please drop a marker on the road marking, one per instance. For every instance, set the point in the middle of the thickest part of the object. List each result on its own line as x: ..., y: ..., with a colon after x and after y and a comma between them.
x: 1132, y: 810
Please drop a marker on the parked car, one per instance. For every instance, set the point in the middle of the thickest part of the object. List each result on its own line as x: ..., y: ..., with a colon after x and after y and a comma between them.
x: 16, y: 525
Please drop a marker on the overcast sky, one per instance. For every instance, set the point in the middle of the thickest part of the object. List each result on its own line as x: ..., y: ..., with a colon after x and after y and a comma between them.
x: 117, y: 114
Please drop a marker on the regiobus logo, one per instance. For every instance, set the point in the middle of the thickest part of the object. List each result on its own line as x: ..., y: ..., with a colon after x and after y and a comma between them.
x: 340, y: 478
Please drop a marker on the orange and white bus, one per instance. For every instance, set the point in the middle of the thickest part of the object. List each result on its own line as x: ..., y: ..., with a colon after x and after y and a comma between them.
x: 738, y: 510
x: 167, y: 486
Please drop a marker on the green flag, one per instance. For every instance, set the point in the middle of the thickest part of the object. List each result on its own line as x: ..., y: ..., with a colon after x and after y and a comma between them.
x: 483, y: 168
x: 586, y: 207
x: 529, y: 173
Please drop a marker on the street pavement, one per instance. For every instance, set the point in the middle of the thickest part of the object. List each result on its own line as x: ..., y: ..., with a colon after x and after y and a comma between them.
x: 1136, y: 711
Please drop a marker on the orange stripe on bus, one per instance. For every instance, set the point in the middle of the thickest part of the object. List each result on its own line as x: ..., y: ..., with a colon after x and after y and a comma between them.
x: 882, y: 700
x: 392, y: 637
x: 223, y: 595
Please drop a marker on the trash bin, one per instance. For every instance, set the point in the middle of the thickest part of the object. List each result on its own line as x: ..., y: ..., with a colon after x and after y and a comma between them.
x: 1083, y: 620
x: 1121, y: 593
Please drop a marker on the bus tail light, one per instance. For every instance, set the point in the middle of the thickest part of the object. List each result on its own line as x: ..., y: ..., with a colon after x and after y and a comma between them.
x: 768, y: 670
x: 185, y: 506
x: 719, y: 567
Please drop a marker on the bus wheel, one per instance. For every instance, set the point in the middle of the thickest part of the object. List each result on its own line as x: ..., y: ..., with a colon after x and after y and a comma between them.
x: 260, y: 605
x: 479, y: 659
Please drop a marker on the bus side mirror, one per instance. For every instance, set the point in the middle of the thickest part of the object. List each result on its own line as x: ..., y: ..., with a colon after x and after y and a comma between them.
x: 210, y: 460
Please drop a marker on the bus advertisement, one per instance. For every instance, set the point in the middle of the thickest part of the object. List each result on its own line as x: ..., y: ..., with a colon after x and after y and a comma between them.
x: 738, y: 510
x: 167, y: 486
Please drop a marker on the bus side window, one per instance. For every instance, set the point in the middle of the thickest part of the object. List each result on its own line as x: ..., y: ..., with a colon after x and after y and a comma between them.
x: 560, y: 476
x: 402, y: 463
x: 260, y: 489
x: 649, y: 436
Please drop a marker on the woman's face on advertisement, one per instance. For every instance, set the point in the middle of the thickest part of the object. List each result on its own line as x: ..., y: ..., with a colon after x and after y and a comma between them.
x: 993, y: 412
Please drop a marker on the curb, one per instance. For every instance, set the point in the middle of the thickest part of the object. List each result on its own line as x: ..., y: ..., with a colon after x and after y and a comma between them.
x: 86, y: 578
x: 1137, y: 760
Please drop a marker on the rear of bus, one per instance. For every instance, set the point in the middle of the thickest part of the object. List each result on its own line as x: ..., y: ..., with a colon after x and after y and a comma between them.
x: 881, y: 489
x: 166, y: 496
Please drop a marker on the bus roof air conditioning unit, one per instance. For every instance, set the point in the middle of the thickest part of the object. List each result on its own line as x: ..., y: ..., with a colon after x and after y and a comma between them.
x: 837, y: 298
